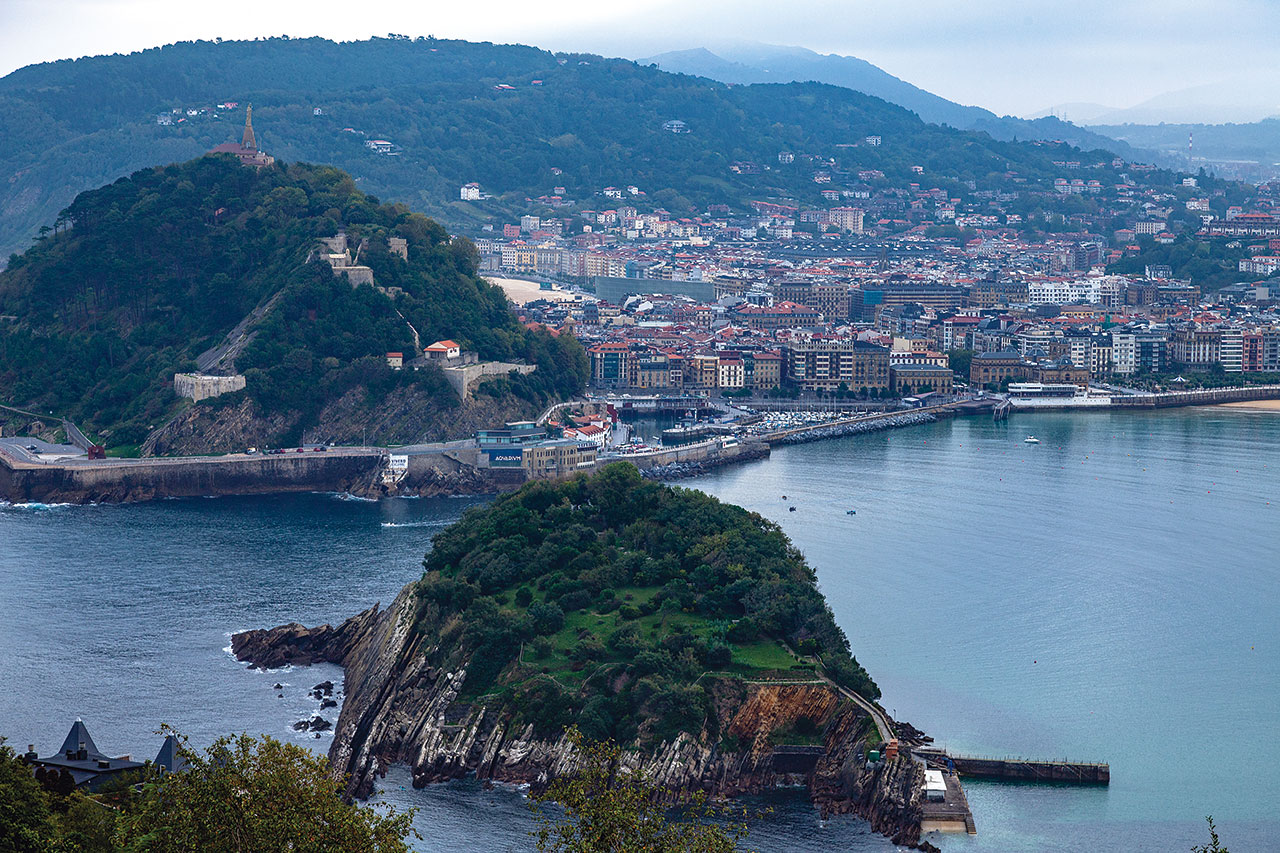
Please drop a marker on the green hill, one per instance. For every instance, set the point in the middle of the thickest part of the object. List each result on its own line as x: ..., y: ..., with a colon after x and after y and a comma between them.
x: 141, y: 276
x: 505, y: 116
x: 615, y: 604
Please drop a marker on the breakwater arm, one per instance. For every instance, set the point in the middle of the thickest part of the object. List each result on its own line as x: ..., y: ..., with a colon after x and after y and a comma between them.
x: 119, y: 480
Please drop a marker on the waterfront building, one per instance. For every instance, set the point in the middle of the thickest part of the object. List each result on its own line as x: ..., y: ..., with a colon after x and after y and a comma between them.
x: 910, y: 379
x: 1061, y: 373
x: 992, y: 368
x: 827, y: 363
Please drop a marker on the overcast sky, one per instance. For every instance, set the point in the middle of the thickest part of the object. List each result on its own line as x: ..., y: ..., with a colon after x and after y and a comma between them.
x: 1011, y: 56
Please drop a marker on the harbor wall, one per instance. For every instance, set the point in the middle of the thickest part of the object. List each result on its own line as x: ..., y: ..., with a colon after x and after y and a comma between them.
x: 702, y: 452
x: 137, y: 480
x: 1170, y: 400
x: 1033, y: 771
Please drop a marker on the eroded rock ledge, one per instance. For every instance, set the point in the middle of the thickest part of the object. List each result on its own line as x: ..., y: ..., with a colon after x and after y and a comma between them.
x: 399, y: 709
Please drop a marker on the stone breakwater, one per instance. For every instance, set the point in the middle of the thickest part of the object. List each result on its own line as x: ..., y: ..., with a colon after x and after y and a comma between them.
x: 399, y: 709
x: 853, y: 428
x: 681, y: 470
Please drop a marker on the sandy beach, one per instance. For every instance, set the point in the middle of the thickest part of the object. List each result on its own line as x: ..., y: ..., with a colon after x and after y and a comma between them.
x: 520, y: 291
x: 1255, y: 405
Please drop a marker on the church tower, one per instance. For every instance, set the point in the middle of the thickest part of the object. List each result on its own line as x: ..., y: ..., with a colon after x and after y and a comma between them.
x: 248, y: 141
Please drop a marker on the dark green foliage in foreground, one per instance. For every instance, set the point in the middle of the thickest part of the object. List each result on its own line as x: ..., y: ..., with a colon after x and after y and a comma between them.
x: 26, y: 822
x: 240, y: 794
x: 147, y: 273
x: 603, y: 601
x: 609, y: 809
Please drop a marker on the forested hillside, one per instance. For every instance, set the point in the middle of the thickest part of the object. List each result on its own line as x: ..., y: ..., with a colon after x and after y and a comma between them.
x: 616, y: 604
x: 505, y: 116
x: 141, y: 276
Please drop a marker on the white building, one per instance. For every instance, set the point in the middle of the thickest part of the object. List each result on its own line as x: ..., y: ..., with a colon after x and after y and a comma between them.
x: 470, y: 192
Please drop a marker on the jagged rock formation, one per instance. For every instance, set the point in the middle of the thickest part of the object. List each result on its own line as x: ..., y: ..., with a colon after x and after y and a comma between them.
x: 400, y: 709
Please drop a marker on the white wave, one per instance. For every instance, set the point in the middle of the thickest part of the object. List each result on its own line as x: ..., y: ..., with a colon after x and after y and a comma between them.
x: 415, y: 524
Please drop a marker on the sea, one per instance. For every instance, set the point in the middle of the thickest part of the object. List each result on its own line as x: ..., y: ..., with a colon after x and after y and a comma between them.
x: 1109, y: 594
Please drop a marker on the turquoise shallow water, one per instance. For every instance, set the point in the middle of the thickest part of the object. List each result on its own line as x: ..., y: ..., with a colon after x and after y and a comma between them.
x: 1049, y: 600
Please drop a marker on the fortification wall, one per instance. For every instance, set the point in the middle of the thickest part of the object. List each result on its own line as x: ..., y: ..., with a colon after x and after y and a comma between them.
x: 462, y: 378
x: 199, y: 386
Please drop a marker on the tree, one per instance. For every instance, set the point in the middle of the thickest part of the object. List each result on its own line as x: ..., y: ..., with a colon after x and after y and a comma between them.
x: 959, y: 361
x: 25, y: 822
x: 1213, y: 846
x: 244, y: 794
x: 608, y: 808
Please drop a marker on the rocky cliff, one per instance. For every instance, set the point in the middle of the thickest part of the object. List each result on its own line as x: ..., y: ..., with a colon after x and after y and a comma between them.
x: 405, y: 416
x: 400, y: 709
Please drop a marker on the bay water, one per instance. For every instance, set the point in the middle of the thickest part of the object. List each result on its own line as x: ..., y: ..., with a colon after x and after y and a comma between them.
x: 1108, y: 594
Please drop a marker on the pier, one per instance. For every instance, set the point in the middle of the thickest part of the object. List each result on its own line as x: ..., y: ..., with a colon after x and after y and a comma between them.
x: 1020, y: 769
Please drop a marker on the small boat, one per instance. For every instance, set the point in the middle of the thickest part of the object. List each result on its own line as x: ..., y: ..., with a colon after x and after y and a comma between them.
x: 1031, y: 439
x: 850, y: 512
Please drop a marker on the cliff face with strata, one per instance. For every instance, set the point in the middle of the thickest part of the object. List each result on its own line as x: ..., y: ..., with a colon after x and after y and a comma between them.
x: 400, y: 709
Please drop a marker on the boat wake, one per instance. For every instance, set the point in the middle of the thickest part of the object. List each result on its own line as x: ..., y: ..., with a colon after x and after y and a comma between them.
x: 391, y: 524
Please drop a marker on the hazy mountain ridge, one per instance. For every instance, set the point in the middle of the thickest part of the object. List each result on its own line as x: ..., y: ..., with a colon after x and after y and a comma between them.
x: 507, y: 116
x: 743, y: 64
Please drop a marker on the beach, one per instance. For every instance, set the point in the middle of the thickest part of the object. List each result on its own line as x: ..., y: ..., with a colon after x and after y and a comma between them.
x: 1254, y: 405
x: 520, y: 291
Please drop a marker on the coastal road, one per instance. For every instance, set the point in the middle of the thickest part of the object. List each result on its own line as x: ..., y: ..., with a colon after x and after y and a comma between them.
x: 883, y: 724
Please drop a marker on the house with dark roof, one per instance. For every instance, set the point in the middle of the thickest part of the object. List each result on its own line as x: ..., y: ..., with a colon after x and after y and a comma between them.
x: 79, y: 757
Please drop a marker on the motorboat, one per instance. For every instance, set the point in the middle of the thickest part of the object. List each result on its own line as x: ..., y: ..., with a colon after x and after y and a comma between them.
x: 1031, y: 439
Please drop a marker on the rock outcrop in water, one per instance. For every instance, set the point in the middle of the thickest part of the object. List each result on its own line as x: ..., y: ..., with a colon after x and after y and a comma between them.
x: 400, y: 709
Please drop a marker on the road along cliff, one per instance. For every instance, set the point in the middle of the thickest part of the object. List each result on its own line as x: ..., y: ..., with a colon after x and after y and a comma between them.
x: 400, y: 708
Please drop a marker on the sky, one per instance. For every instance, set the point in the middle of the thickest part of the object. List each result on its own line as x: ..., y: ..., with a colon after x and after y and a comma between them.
x: 1011, y: 56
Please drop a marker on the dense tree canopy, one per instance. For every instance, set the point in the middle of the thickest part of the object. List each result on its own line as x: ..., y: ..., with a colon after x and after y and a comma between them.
x: 145, y: 274
x: 602, y: 601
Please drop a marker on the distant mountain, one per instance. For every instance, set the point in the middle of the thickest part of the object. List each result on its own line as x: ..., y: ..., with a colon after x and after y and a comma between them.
x: 518, y: 120
x: 1251, y: 151
x: 1078, y: 112
x: 1233, y: 101
x: 764, y: 63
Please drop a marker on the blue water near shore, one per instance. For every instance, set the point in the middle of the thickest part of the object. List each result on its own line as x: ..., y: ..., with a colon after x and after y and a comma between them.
x: 1110, y: 593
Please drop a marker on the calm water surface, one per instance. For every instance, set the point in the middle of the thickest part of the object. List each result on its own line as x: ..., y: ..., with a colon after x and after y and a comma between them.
x: 1108, y: 594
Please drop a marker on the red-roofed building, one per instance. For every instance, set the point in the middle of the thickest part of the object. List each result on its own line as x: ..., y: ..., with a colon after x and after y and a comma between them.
x: 443, y: 351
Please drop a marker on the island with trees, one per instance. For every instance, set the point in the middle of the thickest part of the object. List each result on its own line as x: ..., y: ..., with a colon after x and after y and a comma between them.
x: 688, y: 631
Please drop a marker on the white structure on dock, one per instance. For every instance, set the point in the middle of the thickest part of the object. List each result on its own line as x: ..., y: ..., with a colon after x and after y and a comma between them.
x: 935, y: 787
